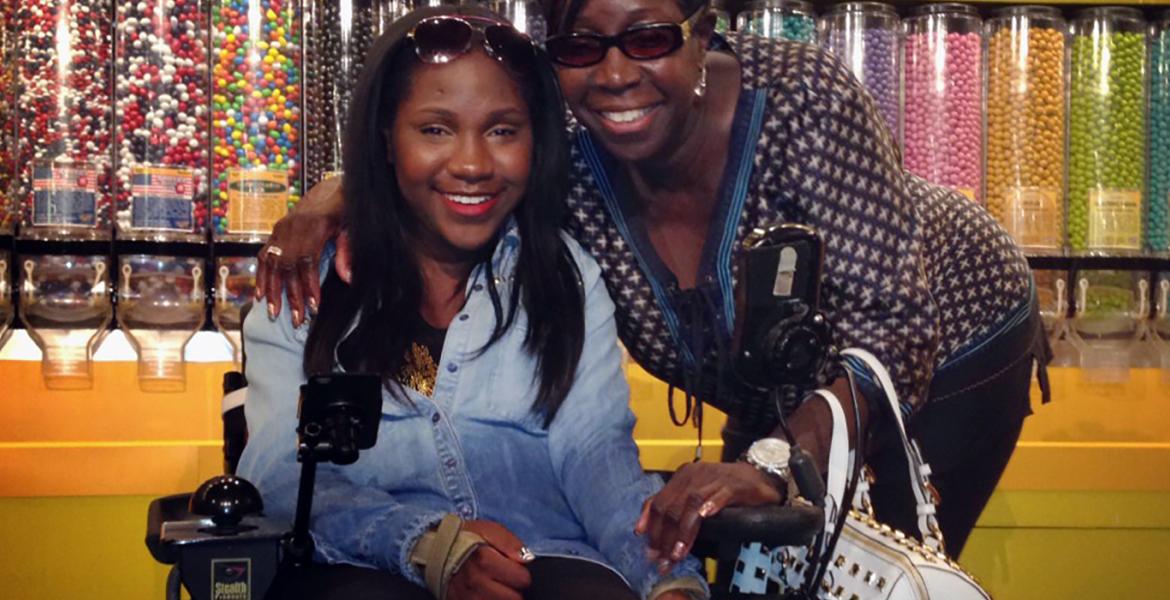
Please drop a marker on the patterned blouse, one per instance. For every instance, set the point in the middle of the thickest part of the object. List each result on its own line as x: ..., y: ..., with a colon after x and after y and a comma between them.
x: 914, y: 273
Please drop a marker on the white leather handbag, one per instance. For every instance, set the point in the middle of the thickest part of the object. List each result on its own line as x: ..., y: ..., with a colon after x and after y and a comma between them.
x: 869, y: 560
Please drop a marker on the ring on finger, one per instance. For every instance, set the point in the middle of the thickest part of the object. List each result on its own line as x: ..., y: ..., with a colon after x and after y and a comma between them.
x: 274, y: 251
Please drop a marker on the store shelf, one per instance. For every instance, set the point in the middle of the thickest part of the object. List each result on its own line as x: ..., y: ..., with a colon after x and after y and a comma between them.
x: 1087, y: 263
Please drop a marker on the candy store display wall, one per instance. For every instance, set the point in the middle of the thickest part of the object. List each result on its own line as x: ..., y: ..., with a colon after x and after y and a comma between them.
x: 1157, y: 226
x: 1026, y: 95
x: 1107, y: 131
x: 161, y: 123
x: 337, y: 35
x: 943, y: 108
x: 64, y: 117
x: 256, y: 113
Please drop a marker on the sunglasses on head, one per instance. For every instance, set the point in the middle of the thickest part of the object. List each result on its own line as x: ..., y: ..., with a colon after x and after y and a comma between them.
x: 640, y: 42
x: 442, y: 39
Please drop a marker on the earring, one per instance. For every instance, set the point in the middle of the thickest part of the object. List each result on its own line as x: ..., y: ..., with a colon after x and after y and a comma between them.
x: 701, y: 87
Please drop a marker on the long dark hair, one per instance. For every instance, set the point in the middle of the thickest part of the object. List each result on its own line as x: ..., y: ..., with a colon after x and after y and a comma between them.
x: 386, y: 289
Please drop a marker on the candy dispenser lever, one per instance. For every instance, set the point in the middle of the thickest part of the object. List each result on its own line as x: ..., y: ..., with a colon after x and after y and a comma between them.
x: 197, y: 293
x: 127, y: 271
x: 1082, y: 296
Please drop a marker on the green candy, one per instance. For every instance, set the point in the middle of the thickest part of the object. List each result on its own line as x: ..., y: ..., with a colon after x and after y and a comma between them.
x: 1157, y: 218
x: 1106, y: 123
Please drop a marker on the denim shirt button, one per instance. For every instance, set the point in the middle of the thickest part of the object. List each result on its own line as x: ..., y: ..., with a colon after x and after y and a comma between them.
x: 452, y: 367
x: 465, y: 511
x: 435, y: 418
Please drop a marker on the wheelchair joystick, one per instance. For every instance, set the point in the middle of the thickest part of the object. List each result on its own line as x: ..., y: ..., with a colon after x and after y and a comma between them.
x: 226, y: 499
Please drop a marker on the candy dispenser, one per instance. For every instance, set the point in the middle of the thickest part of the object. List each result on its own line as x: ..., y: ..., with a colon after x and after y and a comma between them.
x: 386, y: 12
x: 9, y: 208
x: 1052, y: 293
x: 1107, y: 131
x: 864, y: 35
x: 943, y: 117
x: 255, y: 115
x: 525, y: 16
x: 1157, y: 222
x: 782, y: 19
x: 65, y: 306
x: 161, y: 123
x: 1110, y: 306
x: 161, y: 301
x: 6, y: 310
x: 63, y: 112
x: 1027, y: 67
x: 337, y: 35
x: 1160, y: 323
x: 235, y: 287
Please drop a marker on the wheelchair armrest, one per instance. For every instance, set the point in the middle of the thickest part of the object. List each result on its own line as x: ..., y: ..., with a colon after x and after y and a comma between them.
x: 789, y: 525
x: 166, y: 508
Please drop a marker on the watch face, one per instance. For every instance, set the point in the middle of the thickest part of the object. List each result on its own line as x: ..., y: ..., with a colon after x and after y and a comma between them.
x: 770, y: 451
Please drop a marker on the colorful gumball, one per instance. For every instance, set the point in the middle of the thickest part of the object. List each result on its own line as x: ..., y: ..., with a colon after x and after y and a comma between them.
x: 864, y: 35
x: 1107, y: 131
x: 161, y: 120
x: 1026, y: 95
x: 943, y: 119
x: 256, y: 124
x: 1158, y: 202
x: 63, y: 111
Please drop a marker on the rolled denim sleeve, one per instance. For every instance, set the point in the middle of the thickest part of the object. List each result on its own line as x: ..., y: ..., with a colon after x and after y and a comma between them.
x: 352, y: 523
x: 593, y: 451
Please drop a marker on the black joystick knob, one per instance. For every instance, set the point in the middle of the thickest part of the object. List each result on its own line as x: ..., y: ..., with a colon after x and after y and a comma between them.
x: 227, y: 499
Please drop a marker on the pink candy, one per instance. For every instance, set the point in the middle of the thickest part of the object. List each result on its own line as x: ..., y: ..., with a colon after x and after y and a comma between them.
x: 943, y: 109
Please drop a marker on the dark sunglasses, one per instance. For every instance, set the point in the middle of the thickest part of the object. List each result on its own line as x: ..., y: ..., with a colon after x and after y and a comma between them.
x: 641, y: 42
x: 442, y: 39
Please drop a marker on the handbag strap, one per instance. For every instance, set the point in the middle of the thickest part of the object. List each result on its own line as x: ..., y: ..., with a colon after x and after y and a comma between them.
x: 839, y: 461
x: 919, y: 470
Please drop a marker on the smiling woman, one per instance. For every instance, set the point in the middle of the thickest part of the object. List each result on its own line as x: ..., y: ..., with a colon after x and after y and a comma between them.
x: 506, y: 463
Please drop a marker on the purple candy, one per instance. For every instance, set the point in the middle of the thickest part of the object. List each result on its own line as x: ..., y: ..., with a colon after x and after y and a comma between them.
x: 872, y: 55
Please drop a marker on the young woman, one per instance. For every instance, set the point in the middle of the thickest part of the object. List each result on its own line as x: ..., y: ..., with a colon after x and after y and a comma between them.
x: 684, y: 142
x: 505, y: 465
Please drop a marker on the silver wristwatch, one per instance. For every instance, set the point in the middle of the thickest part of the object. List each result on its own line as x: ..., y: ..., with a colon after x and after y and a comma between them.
x: 770, y: 455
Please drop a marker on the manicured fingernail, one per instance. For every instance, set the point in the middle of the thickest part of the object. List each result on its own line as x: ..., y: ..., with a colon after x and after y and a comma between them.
x: 313, y: 304
x: 707, y: 509
x: 271, y: 311
x: 526, y: 555
x: 296, y: 315
x: 663, y: 566
x: 679, y: 550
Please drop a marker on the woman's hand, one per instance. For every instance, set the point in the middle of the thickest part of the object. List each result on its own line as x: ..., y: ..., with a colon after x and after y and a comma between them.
x: 671, y: 518
x: 289, y: 260
x: 495, y: 571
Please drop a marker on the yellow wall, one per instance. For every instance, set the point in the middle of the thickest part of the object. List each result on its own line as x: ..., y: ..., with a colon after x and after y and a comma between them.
x: 1081, y: 510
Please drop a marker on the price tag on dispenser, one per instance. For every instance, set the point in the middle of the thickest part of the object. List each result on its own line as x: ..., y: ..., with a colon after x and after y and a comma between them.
x: 64, y: 195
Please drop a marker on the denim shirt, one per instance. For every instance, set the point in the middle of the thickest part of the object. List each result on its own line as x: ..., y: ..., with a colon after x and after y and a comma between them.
x: 474, y: 448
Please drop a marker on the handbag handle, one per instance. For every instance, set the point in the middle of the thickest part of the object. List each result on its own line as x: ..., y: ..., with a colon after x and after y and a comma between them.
x: 919, y: 470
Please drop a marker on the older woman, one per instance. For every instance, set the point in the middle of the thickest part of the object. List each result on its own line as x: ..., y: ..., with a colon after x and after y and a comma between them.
x: 685, y: 141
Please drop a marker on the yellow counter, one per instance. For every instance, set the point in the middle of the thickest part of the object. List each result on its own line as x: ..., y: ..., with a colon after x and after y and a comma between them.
x: 1083, y: 510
